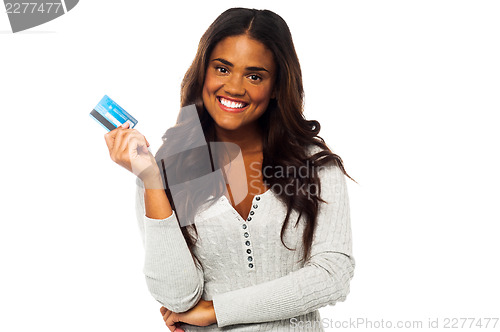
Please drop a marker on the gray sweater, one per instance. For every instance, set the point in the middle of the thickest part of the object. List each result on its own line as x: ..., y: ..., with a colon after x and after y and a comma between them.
x: 256, y: 284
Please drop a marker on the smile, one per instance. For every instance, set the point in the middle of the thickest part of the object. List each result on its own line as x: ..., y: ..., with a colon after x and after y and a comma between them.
x: 231, y: 106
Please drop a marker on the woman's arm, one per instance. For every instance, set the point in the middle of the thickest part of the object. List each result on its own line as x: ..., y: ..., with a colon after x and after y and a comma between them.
x: 172, y: 276
x: 323, y: 280
x: 156, y: 201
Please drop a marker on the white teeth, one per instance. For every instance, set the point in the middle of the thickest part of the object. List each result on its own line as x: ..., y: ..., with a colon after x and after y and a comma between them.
x: 231, y: 104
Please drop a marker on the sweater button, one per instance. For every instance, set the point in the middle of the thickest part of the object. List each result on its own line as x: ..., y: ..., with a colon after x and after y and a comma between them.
x: 255, y: 206
x: 246, y: 234
x: 249, y: 251
x: 249, y: 218
x: 250, y: 265
x: 257, y: 198
x: 250, y: 258
x: 247, y: 243
x: 244, y: 226
x: 252, y: 213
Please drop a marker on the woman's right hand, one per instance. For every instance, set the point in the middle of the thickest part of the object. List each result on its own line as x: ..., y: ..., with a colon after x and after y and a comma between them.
x: 129, y: 149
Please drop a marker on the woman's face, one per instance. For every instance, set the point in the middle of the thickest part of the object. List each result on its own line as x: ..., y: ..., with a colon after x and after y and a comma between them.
x: 239, y: 82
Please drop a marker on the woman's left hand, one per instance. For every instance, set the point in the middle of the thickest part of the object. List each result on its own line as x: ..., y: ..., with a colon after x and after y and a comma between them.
x: 203, y: 314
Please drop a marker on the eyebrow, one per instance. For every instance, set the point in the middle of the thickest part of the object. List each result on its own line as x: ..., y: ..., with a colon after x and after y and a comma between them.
x: 227, y: 63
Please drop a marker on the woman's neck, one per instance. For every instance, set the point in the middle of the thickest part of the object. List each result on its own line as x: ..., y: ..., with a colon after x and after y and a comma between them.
x: 249, y: 139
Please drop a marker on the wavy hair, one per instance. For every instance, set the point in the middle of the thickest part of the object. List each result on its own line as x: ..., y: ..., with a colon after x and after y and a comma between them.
x: 287, y: 134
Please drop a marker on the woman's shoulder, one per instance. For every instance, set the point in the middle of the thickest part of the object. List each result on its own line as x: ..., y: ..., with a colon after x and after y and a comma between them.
x: 312, y: 149
x: 327, y: 170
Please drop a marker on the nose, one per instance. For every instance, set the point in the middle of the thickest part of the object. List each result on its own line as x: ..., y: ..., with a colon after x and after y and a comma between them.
x: 234, y: 86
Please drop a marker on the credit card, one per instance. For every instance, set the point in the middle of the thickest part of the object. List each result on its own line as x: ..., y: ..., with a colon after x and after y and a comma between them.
x: 111, y: 115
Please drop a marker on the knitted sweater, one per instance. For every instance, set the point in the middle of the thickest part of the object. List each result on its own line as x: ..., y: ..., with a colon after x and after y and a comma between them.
x: 256, y: 284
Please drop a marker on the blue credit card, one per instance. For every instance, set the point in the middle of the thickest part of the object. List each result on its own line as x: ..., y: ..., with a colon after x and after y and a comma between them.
x: 111, y: 115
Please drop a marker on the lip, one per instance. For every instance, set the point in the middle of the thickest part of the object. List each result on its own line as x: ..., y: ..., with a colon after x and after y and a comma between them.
x: 231, y: 110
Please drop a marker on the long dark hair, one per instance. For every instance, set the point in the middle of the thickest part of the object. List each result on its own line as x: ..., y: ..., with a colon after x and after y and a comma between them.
x: 287, y: 134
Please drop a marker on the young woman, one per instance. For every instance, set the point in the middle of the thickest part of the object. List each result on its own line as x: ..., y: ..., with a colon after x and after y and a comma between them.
x: 220, y: 255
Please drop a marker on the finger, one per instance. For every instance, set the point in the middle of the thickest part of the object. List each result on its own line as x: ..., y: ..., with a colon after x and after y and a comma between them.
x: 171, y: 328
x: 125, y: 140
x: 109, y: 137
x: 127, y: 137
x: 166, y: 315
x: 121, y: 143
x: 146, y: 141
x: 163, y: 310
x: 125, y: 125
x: 171, y: 320
x: 118, y: 140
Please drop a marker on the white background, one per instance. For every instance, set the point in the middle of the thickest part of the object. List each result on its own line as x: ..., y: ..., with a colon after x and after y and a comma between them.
x: 407, y: 93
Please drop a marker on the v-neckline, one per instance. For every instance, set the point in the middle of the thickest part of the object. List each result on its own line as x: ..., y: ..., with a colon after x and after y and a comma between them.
x: 225, y: 199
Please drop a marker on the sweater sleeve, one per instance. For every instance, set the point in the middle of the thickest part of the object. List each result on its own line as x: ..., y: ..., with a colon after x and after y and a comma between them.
x: 173, y: 278
x: 324, y: 279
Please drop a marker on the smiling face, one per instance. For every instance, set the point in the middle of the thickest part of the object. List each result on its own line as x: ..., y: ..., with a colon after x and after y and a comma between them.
x: 239, y: 82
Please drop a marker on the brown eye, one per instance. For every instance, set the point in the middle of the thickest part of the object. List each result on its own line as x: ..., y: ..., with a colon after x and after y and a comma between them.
x: 221, y: 70
x: 254, y: 77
